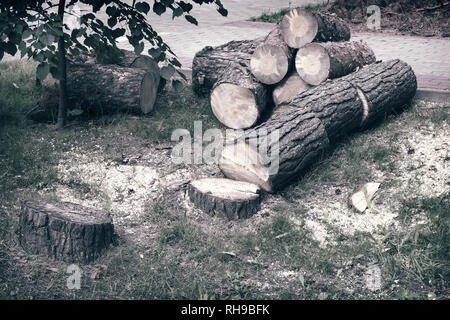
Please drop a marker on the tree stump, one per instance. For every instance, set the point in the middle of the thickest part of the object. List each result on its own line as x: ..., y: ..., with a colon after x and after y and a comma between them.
x: 288, y: 88
x: 316, y: 62
x: 65, y: 231
x: 272, y: 58
x: 225, y: 198
x: 237, y: 99
x: 210, y: 62
x: 300, y: 26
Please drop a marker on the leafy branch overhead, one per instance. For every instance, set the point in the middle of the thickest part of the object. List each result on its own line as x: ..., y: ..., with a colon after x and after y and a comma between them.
x: 33, y: 27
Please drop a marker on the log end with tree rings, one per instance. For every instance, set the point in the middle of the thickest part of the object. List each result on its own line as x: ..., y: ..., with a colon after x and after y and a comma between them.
x: 298, y: 27
x: 269, y: 64
x: 225, y: 198
x: 312, y: 63
x: 234, y: 106
x: 149, y: 91
x: 289, y: 88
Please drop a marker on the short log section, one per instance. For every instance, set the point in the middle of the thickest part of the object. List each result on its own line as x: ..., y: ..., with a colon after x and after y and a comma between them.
x: 288, y: 88
x: 225, y: 198
x: 65, y: 231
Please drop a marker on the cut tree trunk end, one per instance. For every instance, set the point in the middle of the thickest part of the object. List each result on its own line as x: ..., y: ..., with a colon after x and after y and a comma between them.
x: 210, y: 62
x: 277, y: 151
x: 272, y: 58
x: 316, y: 62
x: 65, y: 231
x: 289, y: 88
x: 237, y: 99
x: 300, y: 26
x: 361, y: 198
x: 225, y: 198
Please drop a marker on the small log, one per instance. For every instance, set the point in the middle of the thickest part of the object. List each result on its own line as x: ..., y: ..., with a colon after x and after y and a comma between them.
x: 272, y: 58
x: 237, y: 99
x: 277, y: 151
x: 316, y: 62
x: 210, y: 62
x: 288, y: 88
x: 360, y: 198
x: 65, y: 231
x: 301, y: 26
x: 225, y: 198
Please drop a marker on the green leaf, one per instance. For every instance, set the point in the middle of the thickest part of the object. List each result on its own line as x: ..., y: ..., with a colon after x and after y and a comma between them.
x: 116, y: 33
x: 154, y: 52
x: 223, y: 11
x: 177, y: 85
x: 42, y: 70
x: 191, y: 19
x: 185, y: 6
x: 26, y: 33
x: 111, y: 11
x: 167, y: 71
x: 177, y: 12
x: 159, y: 8
x: 9, y: 48
x: 139, y: 48
x: 142, y: 7
x: 112, y: 21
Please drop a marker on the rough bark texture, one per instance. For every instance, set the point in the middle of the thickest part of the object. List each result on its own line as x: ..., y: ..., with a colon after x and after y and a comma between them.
x: 301, y: 26
x: 237, y: 99
x: 384, y: 87
x: 272, y: 59
x: 65, y: 231
x: 260, y: 158
x: 225, y: 198
x: 110, y: 88
x: 331, y: 60
x: 210, y: 62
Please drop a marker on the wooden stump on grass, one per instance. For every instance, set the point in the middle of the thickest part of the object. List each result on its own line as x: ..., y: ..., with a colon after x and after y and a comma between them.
x: 316, y: 62
x: 65, y: 231
x: 225, y: 198
x: 301, y: 26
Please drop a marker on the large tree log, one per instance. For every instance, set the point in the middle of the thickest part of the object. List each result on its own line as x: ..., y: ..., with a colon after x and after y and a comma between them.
x: 225, y: 198
x: 65, y: 231
x: 210, y: 62
x: 316, y: 62
x: 272, y: 58
x: 277, y: 151
x: 288, y: 88
x: 357, y: 100
x: 237, y: 99
x: 301, y: 26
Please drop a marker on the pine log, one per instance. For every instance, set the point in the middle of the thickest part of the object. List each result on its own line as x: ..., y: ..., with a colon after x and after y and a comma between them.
x: 210, y: 62
x: 277, y: 151
x: 316, y: 62
x: 301, y: 26
x: 237, y: 99
x: 111, y: 88
x: 289, y: 87
x: 65, y: 231
x: 225, y: 198
x: 272, y: 58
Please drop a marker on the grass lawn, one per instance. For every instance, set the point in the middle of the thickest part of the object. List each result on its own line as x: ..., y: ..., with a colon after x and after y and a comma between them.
x: 304, y: 243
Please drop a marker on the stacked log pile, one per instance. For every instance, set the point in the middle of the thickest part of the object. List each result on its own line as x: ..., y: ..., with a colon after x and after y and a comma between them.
x: 322, y: 86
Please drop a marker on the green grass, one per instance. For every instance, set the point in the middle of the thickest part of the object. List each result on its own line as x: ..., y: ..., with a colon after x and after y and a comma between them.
x: 275, y: 17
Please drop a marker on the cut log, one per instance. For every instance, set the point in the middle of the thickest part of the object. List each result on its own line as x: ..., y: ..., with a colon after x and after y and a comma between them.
x: 353, y: 102
x: 210, y: 62
x: 272, y: 58
x: 277, y: 151
x: 316, y: 62
x: 225, y: 198
x: 300, y: 26
x: 237, y: 99
x: 111, y: 88
x: 360, y: 199
x: 383, y: 88
x: 291, y: 86
x: 65, y: 231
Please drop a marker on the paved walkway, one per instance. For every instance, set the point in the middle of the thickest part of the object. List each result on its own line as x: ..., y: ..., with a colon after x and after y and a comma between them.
x: 427, y: 56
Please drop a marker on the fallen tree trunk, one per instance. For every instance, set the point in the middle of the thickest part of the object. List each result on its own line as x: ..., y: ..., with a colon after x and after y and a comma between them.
x: 301, y: 26
x: 225, y: 198
x: 210, y: 62
x: 65, y: 231
x: 272, y: 58
x: 353, y: 102
x: 288, y: 88
x: 237, y: 99
x: 316, y: 62
x: 277, y: 151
